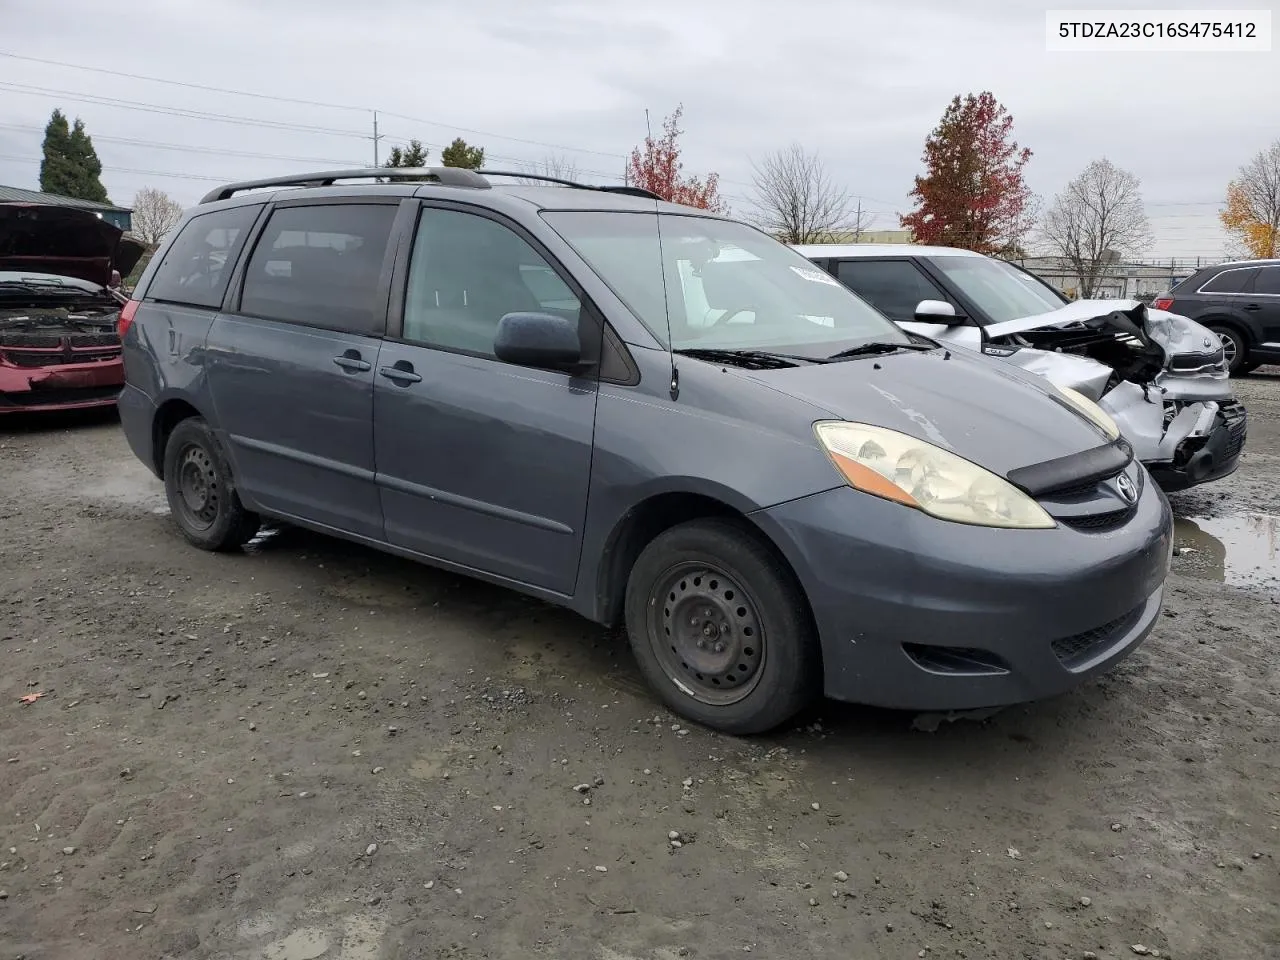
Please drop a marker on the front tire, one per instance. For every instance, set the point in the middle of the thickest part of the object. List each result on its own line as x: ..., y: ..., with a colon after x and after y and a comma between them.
x: 202, y: 497
x: 720, y: 628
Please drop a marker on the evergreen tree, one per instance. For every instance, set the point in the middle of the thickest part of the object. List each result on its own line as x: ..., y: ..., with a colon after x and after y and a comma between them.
x: 70, y: 167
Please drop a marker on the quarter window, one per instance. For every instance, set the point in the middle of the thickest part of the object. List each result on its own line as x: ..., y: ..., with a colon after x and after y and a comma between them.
x: 197, y: 266
x: 320, y: 265
x: 466, y: 273
x: 1268, y: 281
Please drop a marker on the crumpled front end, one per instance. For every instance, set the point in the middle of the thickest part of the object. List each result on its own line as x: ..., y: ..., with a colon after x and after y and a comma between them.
x: 1161, y: 376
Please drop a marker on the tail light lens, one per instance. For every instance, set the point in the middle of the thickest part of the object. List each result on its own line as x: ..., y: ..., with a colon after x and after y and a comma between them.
x: 126, y: 318
x: 1163, y: 303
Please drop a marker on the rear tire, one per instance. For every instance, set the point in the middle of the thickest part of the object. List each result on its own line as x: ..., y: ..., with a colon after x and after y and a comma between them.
x: 721, y: 629
x: 202, y: 496
x: 1236, y: 350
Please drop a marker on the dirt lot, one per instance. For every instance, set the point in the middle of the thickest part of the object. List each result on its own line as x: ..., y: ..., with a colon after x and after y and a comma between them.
x: 311, y: 750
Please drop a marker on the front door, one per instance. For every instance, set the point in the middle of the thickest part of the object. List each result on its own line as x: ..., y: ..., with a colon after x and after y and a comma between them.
x: 482, y: 463
x: 291, y: 370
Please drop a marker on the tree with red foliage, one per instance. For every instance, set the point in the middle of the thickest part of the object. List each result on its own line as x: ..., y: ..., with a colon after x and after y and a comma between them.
x: 656, y: 167
x: 972, y: 194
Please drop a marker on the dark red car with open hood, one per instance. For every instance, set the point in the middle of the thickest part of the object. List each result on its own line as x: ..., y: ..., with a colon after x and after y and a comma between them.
x: 59, y: 348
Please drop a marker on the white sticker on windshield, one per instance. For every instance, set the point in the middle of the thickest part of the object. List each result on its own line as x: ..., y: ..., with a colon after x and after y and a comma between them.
x: 815, y: 275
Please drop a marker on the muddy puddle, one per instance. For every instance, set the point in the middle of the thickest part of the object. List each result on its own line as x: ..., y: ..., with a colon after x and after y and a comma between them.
x: 1240, y: 549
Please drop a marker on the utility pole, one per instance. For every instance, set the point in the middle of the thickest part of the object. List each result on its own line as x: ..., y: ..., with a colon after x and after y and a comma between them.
x: 857, y: 223
x: 376, y: 138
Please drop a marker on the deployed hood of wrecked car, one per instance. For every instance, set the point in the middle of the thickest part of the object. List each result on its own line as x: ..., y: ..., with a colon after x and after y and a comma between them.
x: 65, y: 241
x: 1173, y: 332
x: 990, y: 413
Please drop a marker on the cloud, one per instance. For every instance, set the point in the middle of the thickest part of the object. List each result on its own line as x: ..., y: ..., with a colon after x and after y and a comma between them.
x: 861, y: 84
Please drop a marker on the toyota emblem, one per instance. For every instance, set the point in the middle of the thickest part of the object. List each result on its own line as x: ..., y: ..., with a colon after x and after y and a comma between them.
x: 1127, y: 489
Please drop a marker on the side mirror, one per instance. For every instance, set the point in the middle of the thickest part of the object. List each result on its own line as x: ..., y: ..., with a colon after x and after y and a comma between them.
x: 537, y: 340
x: 937, y: 311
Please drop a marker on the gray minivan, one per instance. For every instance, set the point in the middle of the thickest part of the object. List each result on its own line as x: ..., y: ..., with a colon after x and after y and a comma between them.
x: 651, y: 415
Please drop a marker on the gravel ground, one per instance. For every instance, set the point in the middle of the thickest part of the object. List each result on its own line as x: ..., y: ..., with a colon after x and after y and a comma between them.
x: 312, y: 750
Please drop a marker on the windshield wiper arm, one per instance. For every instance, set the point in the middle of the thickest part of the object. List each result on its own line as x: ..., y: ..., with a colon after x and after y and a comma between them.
x: 763, y: 357
x: 879, y: 346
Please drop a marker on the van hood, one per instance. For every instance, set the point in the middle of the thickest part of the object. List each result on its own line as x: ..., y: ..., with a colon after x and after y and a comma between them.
x: 66, y: 241
x: 990, y: 413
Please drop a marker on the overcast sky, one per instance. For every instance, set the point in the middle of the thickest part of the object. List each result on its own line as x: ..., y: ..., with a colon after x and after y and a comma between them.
x: 862, y: 84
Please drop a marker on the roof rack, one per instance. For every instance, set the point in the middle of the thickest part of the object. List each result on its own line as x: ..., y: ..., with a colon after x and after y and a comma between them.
x: 603, y: 188
x: 447, y: 176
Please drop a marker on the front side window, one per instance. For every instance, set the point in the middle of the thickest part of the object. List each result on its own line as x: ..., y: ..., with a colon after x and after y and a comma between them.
x: 466, y: 273
x: 894, y: 287
x: 1230, y: 281
x: 320, y: 265
x: 1000, y: 290
x: 197, y: 266
x: 701, y: 282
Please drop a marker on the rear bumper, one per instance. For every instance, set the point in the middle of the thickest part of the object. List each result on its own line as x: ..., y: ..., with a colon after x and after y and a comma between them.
x: 916, y: 613
x: 1203, y: 460
x: 137, y: 418
x: 66, y: 387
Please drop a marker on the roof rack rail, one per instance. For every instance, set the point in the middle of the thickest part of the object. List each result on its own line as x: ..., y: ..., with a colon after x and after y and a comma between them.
x: 447, y: 176
x: 603, y: 188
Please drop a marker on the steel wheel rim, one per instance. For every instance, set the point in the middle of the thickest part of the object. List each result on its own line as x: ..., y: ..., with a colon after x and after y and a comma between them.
x: 706, y: 633
x: 199, y: 492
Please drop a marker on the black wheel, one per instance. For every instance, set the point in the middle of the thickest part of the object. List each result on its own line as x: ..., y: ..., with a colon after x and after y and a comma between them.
x: 202, y: 498
x: 1234, y: 349
x: 721, y: 629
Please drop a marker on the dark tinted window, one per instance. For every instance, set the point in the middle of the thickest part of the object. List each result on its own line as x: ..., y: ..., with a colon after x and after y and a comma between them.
x: 1268, y: 281
x: 894, y: 287
x: 197, y: 266
x: 1230, y: 281
x: 320, y: 266
x: 466, y: 272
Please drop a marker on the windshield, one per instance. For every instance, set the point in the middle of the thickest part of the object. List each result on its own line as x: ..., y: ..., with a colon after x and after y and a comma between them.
x: 1000, y: 290
x: 727, y: 286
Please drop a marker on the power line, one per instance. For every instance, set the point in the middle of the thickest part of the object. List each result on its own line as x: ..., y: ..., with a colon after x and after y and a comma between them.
x: 148, y: 173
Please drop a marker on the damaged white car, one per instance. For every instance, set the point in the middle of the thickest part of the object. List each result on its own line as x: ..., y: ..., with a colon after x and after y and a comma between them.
x: 1162, y: 377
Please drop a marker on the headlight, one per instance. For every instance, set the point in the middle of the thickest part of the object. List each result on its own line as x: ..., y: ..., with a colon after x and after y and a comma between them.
x: 1090, y: 411
x: 892, y: 465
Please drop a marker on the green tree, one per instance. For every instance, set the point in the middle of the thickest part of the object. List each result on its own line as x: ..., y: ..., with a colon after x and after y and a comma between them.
x: 459, y: 154
x: 70, y: 166
x: 412, y: 155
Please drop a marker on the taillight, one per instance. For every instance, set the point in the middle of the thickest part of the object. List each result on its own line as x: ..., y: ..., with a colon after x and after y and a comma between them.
x: 1163, y: 303
x: 126, y: 318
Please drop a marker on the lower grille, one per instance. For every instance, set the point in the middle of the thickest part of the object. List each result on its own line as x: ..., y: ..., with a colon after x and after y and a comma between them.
x: 48, y: 358
x: 54, y: 397
x: 1080, y: 648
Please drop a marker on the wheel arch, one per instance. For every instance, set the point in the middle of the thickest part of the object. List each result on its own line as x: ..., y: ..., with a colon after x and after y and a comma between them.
x: 169, y: 414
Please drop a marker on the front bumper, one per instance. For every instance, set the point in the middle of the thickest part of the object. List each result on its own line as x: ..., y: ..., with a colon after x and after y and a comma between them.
x: 920, y: 614
x: 1203, y: 459
x: 64, y: 387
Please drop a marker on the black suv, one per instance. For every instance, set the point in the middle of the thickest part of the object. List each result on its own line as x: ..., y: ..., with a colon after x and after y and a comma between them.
x: 1240, y: 302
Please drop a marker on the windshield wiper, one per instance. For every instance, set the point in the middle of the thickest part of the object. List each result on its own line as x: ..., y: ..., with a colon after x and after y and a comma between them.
x: 747, y: 358
x: 879, y: 346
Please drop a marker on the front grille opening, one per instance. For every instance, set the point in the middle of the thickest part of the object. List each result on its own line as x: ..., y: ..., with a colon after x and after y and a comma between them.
x: 956, y: 661
x: 1079, y: 648
x: 1099, y: 522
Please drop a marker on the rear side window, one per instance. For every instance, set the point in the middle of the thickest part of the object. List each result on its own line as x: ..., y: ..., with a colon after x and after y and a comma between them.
x: 320, y: 265
x: 894, y: 287
x: 197, y: 266
x: 1268, y: 281
x: 1230, y: 281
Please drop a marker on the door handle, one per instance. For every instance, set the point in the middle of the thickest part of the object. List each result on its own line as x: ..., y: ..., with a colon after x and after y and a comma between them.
x: 351, y: 362
x: 401, y: 374
x: 1251, y: 307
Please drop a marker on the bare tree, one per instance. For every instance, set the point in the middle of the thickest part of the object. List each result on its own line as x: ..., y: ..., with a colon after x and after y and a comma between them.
x: 554, y: 165
x: 155, y: 213
x: 1098, y: 218
x: 797, y: 201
